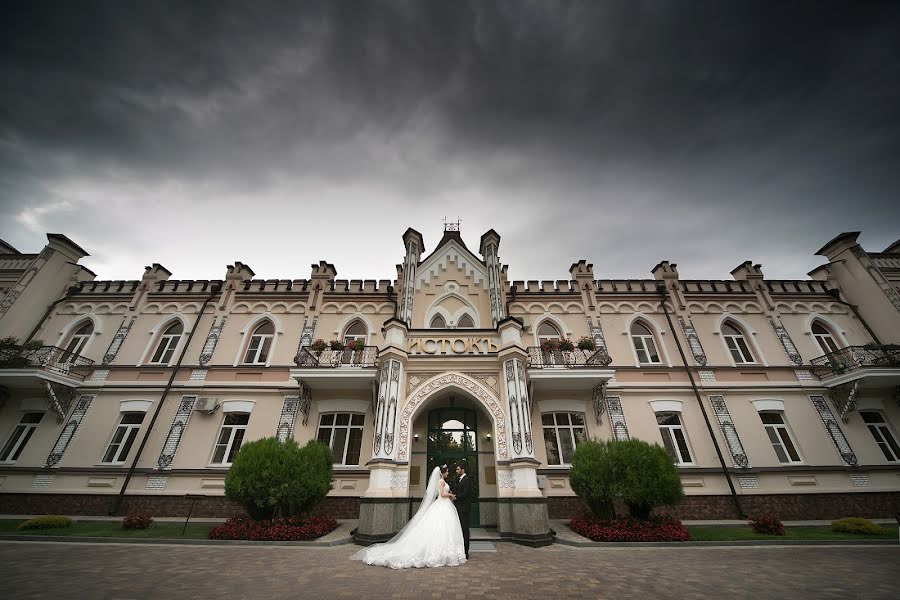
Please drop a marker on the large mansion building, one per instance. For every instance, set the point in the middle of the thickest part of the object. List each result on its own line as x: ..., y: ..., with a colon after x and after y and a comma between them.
x: 771, y: 396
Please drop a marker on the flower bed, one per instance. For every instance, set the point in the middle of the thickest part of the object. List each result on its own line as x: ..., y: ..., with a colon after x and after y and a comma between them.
x: 282, y: 530
x: 767, y: 525
x: 656, y: 529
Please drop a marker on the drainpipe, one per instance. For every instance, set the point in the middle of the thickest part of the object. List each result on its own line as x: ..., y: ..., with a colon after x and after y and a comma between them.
x: 661, y: 288
x: 118, y: 501
x: 836, y: 294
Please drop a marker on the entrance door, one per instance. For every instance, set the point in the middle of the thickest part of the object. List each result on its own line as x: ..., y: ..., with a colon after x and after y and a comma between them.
x: 453, y: 440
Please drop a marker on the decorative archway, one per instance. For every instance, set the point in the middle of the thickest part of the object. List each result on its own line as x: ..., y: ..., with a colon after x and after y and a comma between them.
x: 440, y: 383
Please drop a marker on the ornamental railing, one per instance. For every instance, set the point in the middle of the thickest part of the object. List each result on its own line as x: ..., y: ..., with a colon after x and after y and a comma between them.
x: 853, y: 358
x: 566, y: 359
x: 336, y: 358
x: 49, y: 358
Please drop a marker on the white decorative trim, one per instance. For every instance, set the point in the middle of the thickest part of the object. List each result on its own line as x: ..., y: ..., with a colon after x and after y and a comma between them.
x: 437, y: 263
x: 836, y: 330
x: 72, y: 327
x: 157, y: 330
x: 466, y: 384
x: 42, y: 480
x: 748, y: 481
x: 574, y: 406
x: 135, y: 405
x: 238, y: 406
x: 198, y: 374
x: 99, y: 375
x: 557, y: 323
x: 399, y: 479
x: 348, y: 321
x: 707, y: 375
x: 451, y: 320
x: 248, y: 329
x: 860, y: 479
x: 351, y: 406
x: 666, y: 405
x: 658, y: 334
x: 749, y: 336
x: 804, y: 375
x: 157, y: 482
x: 506, y: 479
x: 768, y: 404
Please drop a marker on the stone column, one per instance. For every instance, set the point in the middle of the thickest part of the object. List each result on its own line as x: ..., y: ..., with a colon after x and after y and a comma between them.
x: 384, y: 507
x: 522, y: 514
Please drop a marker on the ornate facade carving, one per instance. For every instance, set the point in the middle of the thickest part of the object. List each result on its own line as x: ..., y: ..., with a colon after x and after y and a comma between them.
x: 386, y: 408
x: 617, y: 418
x: 212, y: 338
x: 519, y: 407
x: 68, y: 432
x: 118, y: 340
x: 786, y: 342
x: 833, y: 429
x: 285, y: 429
x: 693, y: 340
x: 176, y: 432
x: 729, y: 432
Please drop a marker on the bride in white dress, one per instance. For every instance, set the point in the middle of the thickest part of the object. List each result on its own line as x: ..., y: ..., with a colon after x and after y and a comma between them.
x: 432, y: 538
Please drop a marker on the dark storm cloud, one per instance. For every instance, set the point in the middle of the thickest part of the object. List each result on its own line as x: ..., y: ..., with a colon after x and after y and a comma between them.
x: 705, y: 132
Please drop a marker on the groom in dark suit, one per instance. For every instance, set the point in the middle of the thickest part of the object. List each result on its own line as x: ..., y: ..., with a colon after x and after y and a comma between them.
x: 464, y: 495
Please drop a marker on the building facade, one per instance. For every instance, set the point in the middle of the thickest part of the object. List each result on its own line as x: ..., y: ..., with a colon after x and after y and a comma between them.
x: 771, y: 396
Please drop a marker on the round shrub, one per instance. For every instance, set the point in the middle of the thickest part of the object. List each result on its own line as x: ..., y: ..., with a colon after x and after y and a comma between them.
x: 46, y: 522
x: 644, y: 476
x: 279, y: 479
x: 858, y: 526
x: 136, y: 521
x: 767, y: 525
x: 591, y: 477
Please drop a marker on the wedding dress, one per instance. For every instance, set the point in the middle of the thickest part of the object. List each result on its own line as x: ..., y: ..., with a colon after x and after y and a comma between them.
x: 432, y: 538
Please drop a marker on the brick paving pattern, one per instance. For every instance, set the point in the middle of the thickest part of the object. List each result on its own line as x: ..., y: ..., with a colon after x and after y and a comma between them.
x: 122, y: 571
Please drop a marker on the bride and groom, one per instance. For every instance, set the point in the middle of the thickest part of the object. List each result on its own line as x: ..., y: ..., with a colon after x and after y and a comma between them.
x: 437, y: 535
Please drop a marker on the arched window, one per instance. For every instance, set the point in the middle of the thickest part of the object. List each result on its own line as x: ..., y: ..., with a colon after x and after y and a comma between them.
x: 168, y: 341
x: 644, y: 344
x: 80, y: 339
x: 356, y: 331
x: 823, y: 336
x: 547, y: 331
x: 737, y: 344
x: 260, y: 344
x: 438, y: 322
x: 465, y: 322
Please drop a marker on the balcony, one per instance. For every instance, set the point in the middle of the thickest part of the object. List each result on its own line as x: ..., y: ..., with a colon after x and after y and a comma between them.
x: 336, y: 369
x: 25, y: 367
x: 555, y: 369
x: 871, y: 365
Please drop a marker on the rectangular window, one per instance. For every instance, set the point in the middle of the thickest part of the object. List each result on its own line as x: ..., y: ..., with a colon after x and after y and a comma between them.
x: 230, y: 438
x: 883, y: 435
x: 673, y: 437
x: 780, y: 437
x: 20, y: 436
x: 123, y: 438
x: 562, y: 432
x: 342, y: 432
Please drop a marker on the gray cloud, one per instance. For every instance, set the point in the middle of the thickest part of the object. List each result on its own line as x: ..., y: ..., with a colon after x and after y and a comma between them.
x: 195, y: 134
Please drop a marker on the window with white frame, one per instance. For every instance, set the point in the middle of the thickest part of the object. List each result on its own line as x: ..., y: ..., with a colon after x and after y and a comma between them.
x: 260, y: 344
x: 123, y: 438
x: 168, y: 341
x: 79, y: 339
x: 737, y: 344
x: 674, y: 439
x: 342, y: 432
x: 546, y: 331
x: 438, y: 322
x: 465, y: 322
x: 356, y: 331
x: 883, y: 435
x: 826, y: 340
x: 644, y: 344
x: 781, y: 439
x: 562, y: 432
x: 230, y: 437
x: 20, y: 436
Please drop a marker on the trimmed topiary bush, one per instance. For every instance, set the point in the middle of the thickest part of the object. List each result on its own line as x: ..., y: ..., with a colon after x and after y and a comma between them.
x: 46, y: 522
x: 279, y: 479
x: 591, y: 477
x: 858, y: 526
x: 644, y: 476
x: 137, y: 521
x: 767, y: 525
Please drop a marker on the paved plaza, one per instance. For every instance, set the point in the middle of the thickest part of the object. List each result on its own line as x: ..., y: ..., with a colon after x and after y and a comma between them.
x: 121, y: 571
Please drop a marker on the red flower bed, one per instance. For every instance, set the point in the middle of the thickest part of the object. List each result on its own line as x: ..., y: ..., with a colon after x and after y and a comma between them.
x: 767, y: 525
x: 627, y: 529
x: 137, y: 521
x: 283, y: 530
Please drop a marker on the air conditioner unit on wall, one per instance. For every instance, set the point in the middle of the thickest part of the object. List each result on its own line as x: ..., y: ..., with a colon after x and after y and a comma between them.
x: 207, y: 405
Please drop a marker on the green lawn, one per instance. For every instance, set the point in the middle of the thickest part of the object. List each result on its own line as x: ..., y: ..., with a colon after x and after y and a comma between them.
x: 719, y: 534
x: 111, y: 529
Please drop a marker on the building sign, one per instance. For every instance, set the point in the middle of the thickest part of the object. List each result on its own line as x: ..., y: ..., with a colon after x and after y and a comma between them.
x: 452, y: 345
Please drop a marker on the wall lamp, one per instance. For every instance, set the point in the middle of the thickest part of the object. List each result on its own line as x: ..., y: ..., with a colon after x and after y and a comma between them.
x: 416, y: 437
x: 488, y: 436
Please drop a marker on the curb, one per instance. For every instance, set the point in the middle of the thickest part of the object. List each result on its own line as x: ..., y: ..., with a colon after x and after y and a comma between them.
x: 720, y: 544
x: 165, y: 541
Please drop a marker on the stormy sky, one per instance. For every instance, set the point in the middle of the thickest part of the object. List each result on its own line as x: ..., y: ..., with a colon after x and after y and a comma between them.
x: 197, y: 133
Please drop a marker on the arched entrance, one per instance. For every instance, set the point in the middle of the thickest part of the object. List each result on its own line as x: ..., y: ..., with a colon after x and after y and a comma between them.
x: 453, y: 440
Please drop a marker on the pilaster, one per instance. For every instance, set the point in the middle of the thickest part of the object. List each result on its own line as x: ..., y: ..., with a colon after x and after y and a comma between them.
x: 412, y: 241
x: 490, y: 243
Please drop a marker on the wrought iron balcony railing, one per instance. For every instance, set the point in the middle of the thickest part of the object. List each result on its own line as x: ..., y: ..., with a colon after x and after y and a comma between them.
x: 49, y: 358
x: 562, y: 359
x: 853, y: 358
x: 336, y: 358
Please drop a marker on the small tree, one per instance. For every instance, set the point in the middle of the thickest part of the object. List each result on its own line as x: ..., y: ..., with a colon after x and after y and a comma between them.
x: 644, y: 476
x: 279, y: 479
x: 591, y: 477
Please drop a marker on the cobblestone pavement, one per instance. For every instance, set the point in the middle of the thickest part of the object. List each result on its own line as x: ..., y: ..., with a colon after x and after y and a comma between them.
x: 121, y: 571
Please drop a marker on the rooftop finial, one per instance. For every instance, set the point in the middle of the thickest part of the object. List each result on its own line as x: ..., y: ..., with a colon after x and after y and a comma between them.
x: 451, y: 226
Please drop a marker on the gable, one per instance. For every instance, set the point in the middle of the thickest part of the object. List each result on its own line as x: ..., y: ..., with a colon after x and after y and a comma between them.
x: 439, y: 262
